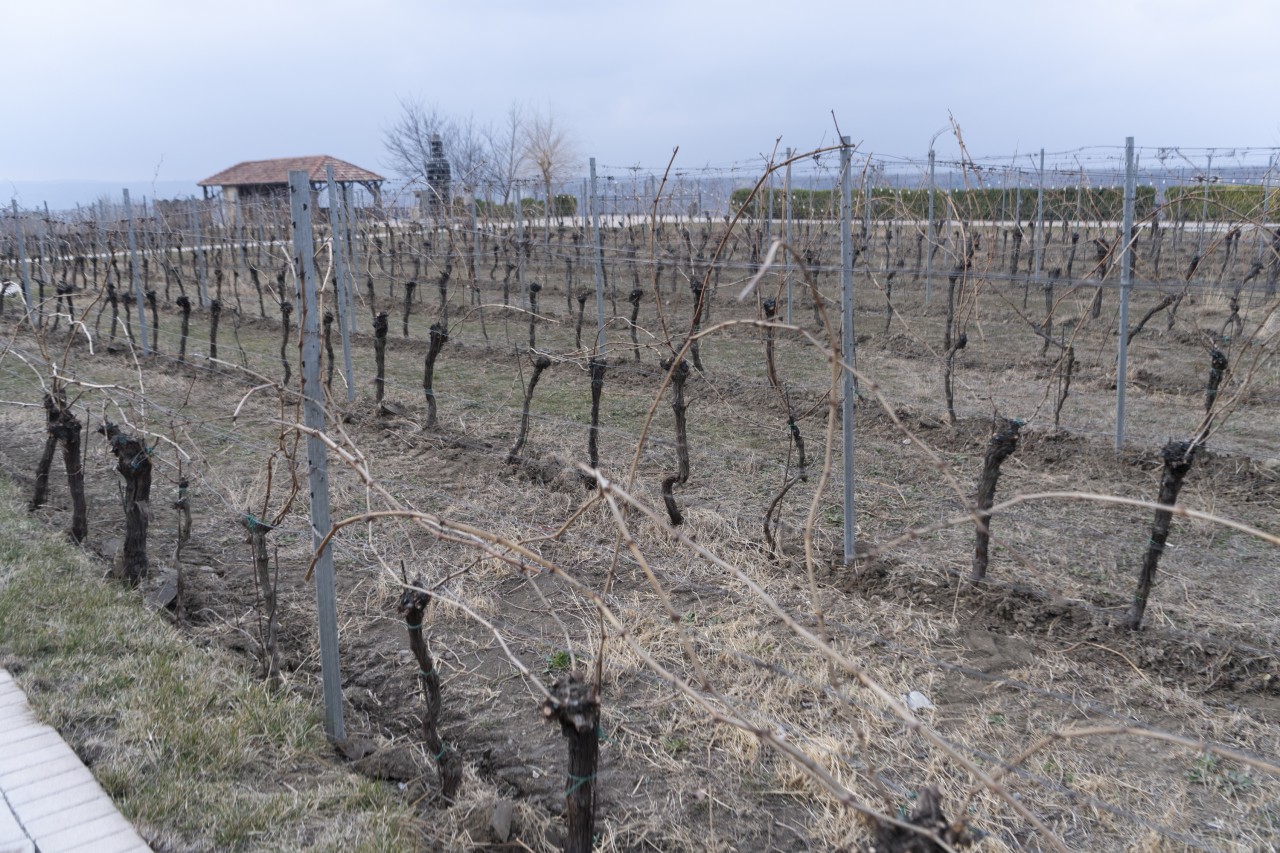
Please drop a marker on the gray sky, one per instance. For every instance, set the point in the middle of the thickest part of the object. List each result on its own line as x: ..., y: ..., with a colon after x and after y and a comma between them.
x: 175, y: 90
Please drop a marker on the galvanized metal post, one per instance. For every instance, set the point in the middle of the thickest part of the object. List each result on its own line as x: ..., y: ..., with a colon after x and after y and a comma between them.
x: 1204, y: 204
x: 849, y: 397
x: 867, y: 208
x: 768, y: 219
x: 198, y: 247
x: 317, y: 456
x: 786, y: 256
x: 353, y: 256
x: 340, y: 283
x: 139, y: 299
x: 22, y: 262
x: 475, y: 246
x: 599, y: 264
x: 928, y: 258
x: 519, y: 241
x: 1266, y: 199
x: 1040, y: 222
x: 1126, y: 252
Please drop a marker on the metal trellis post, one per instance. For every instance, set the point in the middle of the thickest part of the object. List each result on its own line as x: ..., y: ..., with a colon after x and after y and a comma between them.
x: 786, y: 201
x: 599, y: 263
x: 1040, y: 223
x: 928, y: 258
x: 22, y: 262
x: 317, y: 456
x: 849, y: 397
x: 340, y: 281
x: 1126, y: 242
x: 198, y: 247
x: 139, y: 298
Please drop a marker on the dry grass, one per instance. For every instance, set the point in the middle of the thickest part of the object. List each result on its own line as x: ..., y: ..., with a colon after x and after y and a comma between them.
x: 1004, y: 670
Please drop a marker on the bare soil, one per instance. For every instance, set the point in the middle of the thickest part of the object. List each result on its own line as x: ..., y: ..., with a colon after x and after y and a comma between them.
x: 1037, y: 649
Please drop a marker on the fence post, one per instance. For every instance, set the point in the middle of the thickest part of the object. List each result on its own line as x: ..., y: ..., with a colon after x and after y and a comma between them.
x: 1266, y: 199
x: 1204, y: 204
x: 475, y: 249
x: 849, y: 398
x: 599, y: 264
x: 352, y: 257
x: 786, y: 257
x: 138, y: 298
x: 199, y: 250
x: 340, y: 283
x: 22, y: 261
x: 519, y: 244
x: 1040, y: 224
x: 928, y: 258
x: 1126, y: 242
x: 317, y: 456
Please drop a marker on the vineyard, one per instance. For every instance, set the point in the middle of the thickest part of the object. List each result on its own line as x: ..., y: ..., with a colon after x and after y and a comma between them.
x: 594, y: 582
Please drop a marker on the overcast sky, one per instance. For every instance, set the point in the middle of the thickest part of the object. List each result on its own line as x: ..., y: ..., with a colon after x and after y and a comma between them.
x: 170, y: 90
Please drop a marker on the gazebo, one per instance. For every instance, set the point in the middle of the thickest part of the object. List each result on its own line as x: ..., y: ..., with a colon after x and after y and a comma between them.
x: 268, y: 180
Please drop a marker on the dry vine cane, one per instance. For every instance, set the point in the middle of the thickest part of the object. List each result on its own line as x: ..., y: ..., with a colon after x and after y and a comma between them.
x: 412, y: 606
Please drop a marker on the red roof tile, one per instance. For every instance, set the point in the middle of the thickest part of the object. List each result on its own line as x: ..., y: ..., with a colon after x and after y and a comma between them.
x: 277, y: 171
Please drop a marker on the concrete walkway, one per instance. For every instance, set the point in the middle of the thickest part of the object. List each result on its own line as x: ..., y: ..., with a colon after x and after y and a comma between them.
x: 49, y: 801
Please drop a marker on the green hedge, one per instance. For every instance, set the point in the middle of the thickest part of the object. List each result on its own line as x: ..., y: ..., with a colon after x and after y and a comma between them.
x: 566, y: 205
x: 1231, y: 203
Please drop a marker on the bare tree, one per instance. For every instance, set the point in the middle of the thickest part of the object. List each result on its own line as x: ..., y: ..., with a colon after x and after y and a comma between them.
x: 550, y: 152
x: 408, y: 140
x: 466, y: 144
x: 508, y: 146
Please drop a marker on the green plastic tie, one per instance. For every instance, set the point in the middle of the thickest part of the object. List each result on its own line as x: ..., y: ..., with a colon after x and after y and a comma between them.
x: 578, y: 782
